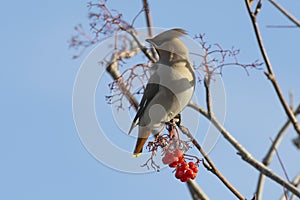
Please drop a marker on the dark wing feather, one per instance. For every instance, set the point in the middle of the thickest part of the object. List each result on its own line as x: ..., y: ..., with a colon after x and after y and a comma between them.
x: 150, y: 91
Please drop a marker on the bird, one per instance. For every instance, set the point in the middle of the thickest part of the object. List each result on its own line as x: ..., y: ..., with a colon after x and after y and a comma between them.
x: 169, y: 89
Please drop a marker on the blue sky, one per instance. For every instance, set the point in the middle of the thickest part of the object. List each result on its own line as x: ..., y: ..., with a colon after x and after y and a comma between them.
x: 42, y: 156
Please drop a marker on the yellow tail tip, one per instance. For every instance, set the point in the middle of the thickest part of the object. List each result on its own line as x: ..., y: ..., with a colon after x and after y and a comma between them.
x: 135, y: 155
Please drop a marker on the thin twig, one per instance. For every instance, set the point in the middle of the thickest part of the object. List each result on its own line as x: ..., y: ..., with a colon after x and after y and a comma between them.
x: 291, y: 98
x: 286, y: 13
x: 296, y: 182
x: 269, y: 156
x: 270, y: 74
x: 212, y: 168
x: 281, y: 164
x: 245, y: 155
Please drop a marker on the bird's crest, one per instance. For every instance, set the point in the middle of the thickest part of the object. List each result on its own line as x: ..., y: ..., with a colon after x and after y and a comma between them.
x: 167, y: 35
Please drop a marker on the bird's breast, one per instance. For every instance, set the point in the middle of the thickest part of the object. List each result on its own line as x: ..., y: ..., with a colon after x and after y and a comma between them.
x: 179, y: 80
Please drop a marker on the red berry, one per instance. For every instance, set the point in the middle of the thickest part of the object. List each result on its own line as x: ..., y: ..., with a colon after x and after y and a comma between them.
x: 173, y: 164
x: 189, y: 173
x: 193, y: 176
x: 180, y: 168
x: 184, y: 179
x: 181, y: 159
x: 191, y: 165
x: 179, y: 174
x: 195, y: 169
x: 184, y: 166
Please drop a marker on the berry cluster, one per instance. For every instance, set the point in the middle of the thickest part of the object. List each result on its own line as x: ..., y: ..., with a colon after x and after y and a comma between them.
x: 184, y: 170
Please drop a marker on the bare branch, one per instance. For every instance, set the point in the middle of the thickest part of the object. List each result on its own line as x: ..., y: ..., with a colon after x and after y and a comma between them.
x: 211, y: 166
x: 269, y: 156
x: 148, y: 17
x: 270, y: 74
x: 245, y: 155
x: 113, y: 69
x: 148, y: 22
x: 285, y: 12
x: 208, y: 96
x: 195, y: 190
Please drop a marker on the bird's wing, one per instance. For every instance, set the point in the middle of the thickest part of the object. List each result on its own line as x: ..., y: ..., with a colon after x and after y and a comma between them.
x: 150, y: 91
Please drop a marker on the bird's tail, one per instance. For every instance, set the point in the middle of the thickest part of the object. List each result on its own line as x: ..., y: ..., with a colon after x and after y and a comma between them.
x: 144, y: 133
